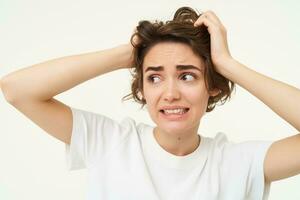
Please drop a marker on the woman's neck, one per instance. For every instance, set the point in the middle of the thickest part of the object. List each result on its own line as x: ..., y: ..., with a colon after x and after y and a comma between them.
x: 177, y: 144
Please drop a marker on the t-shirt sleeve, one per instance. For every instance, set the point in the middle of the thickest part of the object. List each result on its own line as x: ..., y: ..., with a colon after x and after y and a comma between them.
x: 93, y: 136
x: 240, y: 167
x: 245, y: 161
x: 256, y: 151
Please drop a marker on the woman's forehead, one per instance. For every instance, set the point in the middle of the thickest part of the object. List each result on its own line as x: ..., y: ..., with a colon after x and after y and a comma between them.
x: 173, y: 54
x: 180, y: 67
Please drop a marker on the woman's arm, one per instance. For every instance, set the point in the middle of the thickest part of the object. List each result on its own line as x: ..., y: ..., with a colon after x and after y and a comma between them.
x: 45, y: 80
x: 283, y: 157
x: 282, y: 98
x: 31, y: 90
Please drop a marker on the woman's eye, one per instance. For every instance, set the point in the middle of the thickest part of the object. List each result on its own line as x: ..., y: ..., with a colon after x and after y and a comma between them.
x: 153, y: 79
x: 188, y: 77
x: 185, y: 77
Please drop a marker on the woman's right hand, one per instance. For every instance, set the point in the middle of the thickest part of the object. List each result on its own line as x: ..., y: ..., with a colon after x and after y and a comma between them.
x: 129, y: 49
x: 136, y: 38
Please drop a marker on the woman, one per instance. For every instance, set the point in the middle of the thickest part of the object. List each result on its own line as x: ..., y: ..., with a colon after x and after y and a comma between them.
x: 180, y: 72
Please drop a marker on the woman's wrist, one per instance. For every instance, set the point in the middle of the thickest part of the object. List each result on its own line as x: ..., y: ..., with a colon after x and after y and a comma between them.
x: 125, y: 55
x: 224, y: 65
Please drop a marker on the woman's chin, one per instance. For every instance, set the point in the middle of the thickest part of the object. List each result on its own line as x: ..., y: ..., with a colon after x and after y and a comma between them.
x: 174, y: 128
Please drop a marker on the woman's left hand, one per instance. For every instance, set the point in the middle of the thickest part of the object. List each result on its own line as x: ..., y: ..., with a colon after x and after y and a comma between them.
x: 218, y: 38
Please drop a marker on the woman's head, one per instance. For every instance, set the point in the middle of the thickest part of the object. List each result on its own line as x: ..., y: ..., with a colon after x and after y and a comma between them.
x: 174, y: 87
x: 179, y: 32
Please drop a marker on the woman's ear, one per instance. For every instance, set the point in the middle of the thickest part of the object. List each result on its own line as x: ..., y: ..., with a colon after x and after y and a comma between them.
x: 214, y: 92
x: 141, y: 95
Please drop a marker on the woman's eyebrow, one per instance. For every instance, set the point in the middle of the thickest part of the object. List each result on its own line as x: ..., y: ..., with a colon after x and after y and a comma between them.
x: 178, y: 67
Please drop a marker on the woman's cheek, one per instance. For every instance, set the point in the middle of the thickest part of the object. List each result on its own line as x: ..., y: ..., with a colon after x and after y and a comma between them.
x: 152, y: 97
x: 195, y: 94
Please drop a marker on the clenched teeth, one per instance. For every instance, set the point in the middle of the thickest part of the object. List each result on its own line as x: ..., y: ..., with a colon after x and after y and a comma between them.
x: 175, y: 111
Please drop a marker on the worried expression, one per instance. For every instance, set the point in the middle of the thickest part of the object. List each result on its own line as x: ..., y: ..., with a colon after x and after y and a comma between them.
x: 174, y: 87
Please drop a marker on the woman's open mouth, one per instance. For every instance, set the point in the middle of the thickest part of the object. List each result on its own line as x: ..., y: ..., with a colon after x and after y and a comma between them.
x: 174, y: 114
x: 178, y: 111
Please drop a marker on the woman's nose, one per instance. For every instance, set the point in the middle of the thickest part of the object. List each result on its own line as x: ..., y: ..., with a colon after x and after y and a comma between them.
x: 171, y: 92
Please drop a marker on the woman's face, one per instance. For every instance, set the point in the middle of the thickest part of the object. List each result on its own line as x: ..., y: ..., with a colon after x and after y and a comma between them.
x: 174, y: 88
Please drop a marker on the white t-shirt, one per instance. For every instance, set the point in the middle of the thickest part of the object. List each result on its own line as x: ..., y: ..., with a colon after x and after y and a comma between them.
x: 125, y: 162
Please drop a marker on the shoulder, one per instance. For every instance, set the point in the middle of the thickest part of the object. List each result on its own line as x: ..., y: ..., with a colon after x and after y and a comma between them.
x: 218, y: 142
x: 97, y: 125
x: 246, y: 150
x: 91, y: 117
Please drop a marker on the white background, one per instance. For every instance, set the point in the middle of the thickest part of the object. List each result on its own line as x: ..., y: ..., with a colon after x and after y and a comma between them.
x: 264, y: 35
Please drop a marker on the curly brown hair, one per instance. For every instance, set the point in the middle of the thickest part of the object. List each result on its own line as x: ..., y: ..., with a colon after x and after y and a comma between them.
x: 180, y: 29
